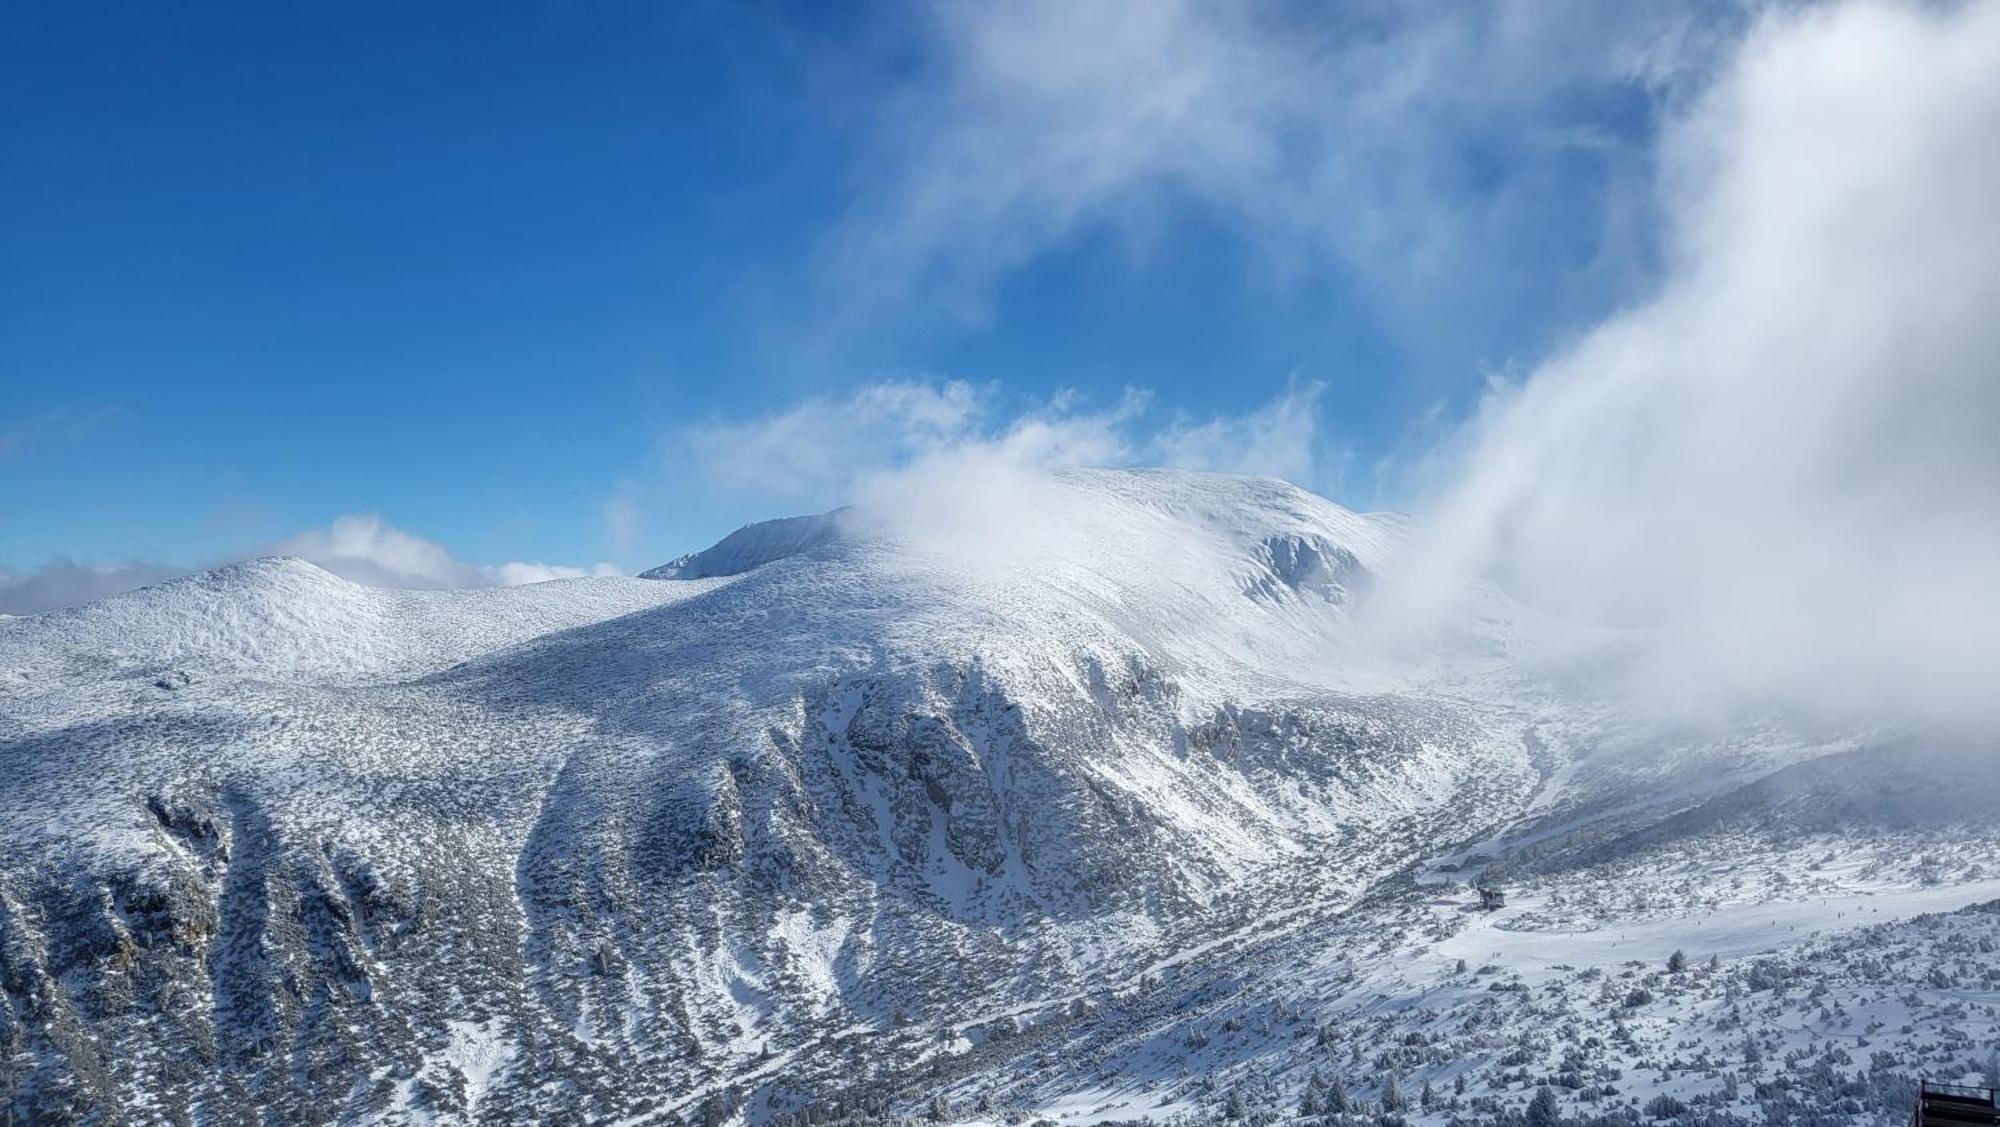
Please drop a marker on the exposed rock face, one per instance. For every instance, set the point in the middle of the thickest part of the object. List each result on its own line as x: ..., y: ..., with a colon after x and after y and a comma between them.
x: 1309, y: 565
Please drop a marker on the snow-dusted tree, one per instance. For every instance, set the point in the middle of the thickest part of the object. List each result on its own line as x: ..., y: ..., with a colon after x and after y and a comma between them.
x: 1310, y: 1104
x: 1392, y: 1093
x: 1677, y: 962
x: 1235, y: 1107
x: 1543, y: 1110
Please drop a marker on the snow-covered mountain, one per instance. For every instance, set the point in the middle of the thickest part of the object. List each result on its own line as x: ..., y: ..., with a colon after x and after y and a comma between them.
x: 754, y: 546
x: 1104, y: 813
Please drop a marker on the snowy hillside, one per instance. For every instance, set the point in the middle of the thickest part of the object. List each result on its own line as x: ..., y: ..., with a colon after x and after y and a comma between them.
x: 1106, y: 813
x: 283, y: 618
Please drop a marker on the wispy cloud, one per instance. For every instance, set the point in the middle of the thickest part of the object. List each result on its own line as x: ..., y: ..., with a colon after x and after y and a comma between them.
x: 55, y: 427
x: 963, y: 468
x: 823, y: 450
x: 1281, y: 439
x: 1788, y: 462
x: 623, y: 521
x: 827, y: 441
x: 1425, y: 148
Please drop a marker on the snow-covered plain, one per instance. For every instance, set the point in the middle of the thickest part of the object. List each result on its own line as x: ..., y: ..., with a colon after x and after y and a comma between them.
x: 1104, y: 816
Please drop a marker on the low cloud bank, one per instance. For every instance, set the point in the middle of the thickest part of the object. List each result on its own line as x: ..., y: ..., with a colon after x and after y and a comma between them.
x: 64, y: 582
x: 1787, y: 463
x: 366, y: 549
x: 359, y: 547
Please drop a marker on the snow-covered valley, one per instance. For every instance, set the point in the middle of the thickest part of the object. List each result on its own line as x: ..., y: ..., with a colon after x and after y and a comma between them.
x: 836, y: 821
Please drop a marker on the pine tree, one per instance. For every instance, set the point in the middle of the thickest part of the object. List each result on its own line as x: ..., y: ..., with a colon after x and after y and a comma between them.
x: 1392, y: 1094
x: 1542, y: 1110
x: 1677, y: 962
x: 1309, y: 1103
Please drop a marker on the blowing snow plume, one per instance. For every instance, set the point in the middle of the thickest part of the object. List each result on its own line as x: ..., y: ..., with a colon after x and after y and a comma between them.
x: 1788, y: 460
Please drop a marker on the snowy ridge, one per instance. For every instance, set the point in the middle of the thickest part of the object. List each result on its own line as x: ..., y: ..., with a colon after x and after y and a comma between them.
x: 878, y: 811
x: 283, y: 617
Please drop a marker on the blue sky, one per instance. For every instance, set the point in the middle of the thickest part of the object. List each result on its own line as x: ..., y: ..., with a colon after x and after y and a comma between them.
x: 513, y: 279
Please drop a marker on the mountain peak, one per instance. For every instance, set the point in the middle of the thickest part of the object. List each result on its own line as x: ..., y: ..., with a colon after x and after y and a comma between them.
x: 1093, y: 511
x: 753, y: 545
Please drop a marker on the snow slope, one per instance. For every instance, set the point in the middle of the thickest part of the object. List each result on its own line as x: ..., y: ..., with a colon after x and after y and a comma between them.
x: 847, y: 806
x: 281, y: 617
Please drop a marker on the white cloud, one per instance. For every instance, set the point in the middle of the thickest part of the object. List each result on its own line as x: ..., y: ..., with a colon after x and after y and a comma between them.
x: 825, y: 450
x: 1789, y: 460
x: 823, y: 440
x: 516, y: 572
x: 64, y: 582
x: 1281, y: 439
x: 1424, y: 147
x: 56, y: 427
x: 622, y: 521
x: 984, y: 496
x: 946, y: 464
x: 362, y: 548
x: 366, y: 549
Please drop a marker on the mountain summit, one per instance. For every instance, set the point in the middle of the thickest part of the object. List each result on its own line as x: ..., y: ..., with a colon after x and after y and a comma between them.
x: 850, y: 810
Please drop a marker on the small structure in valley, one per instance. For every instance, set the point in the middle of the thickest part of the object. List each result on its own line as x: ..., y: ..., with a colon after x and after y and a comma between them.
x: 1491, y: 897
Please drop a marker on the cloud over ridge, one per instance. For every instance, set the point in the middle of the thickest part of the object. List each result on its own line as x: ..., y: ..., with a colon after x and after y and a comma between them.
x: 822, y: 449
x: 1788, y: 461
